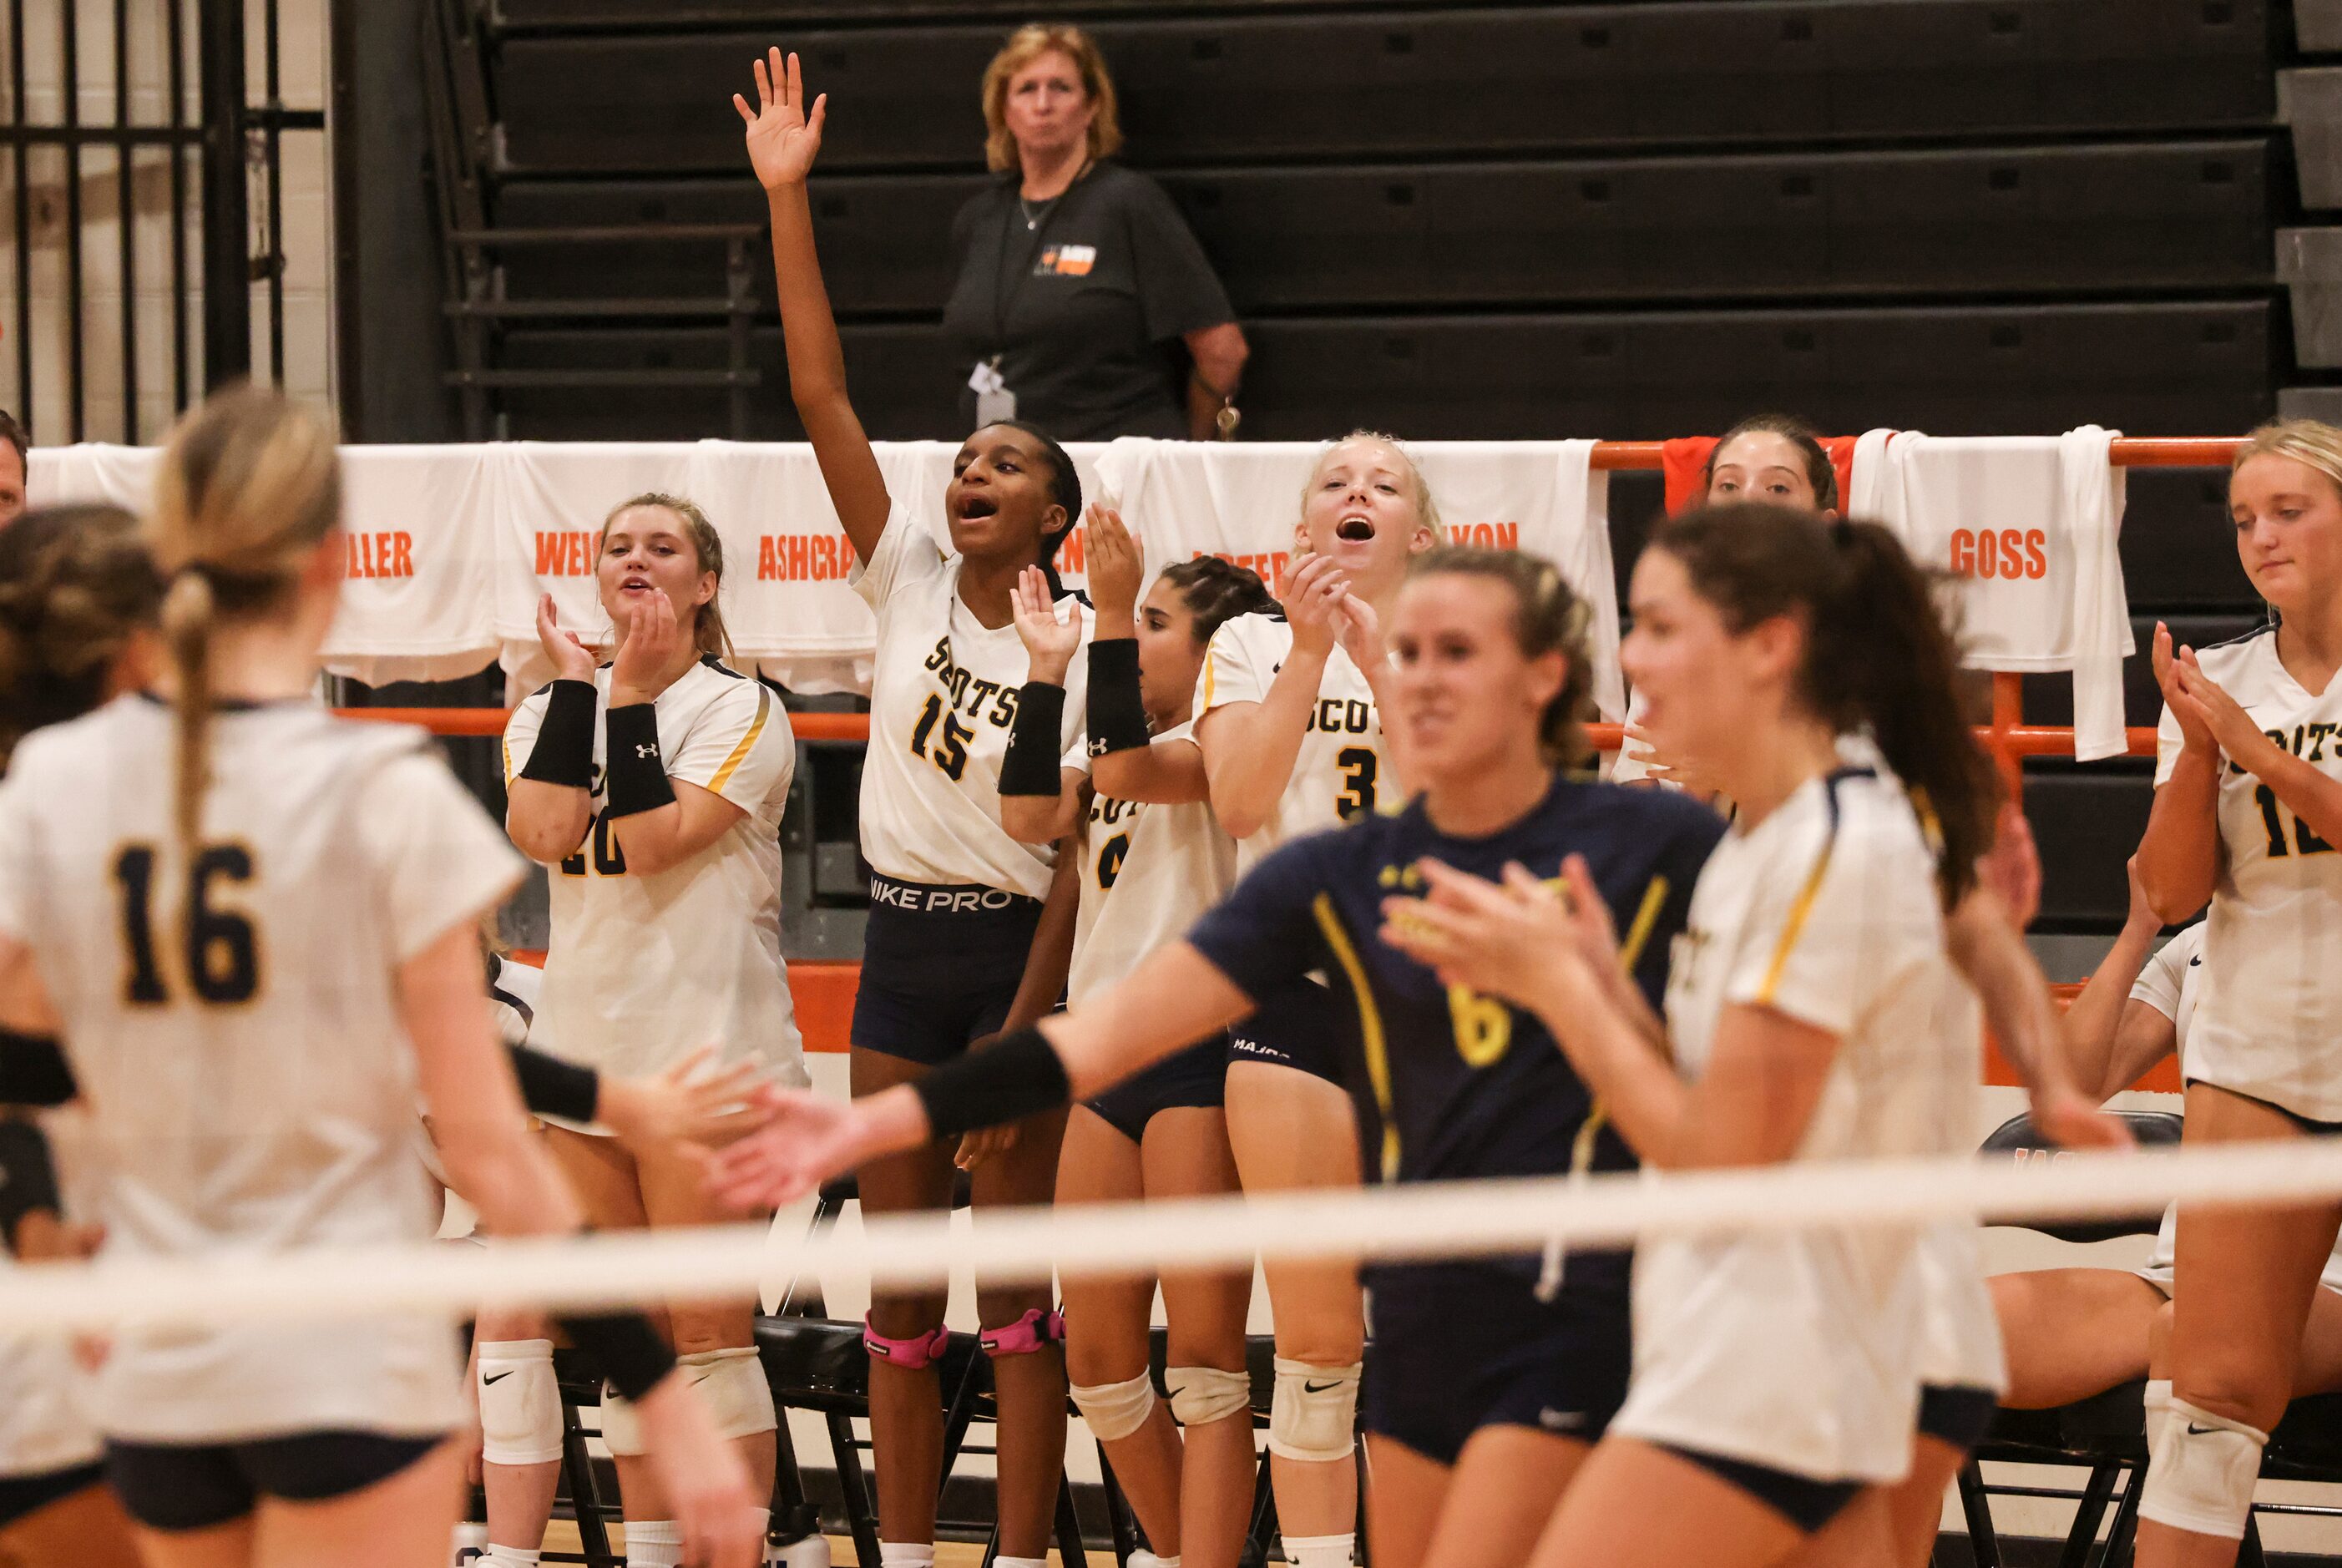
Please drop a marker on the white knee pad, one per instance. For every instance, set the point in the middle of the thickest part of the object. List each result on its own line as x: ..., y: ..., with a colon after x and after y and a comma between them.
x: 622, y: 1428
x: 2200, y: 1471
x: 1314, y: 1414
x: 1115, y: 1410
x: 1203, y: 1395
x: 732, y: 1382
x: 520, y: 1403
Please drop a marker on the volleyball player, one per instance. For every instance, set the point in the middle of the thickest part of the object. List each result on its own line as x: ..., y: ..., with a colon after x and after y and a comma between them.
x: 1153, y: 858
x: 76, y: 586
x: 201, y: 887
x: 1775, y: 1375
x: 1288, y: 720
x: 1769, y: 457
x: 2247, y: 809
x: 1487, y: 1379
x: 652, y: 787
x: 2073, y: 1333
x: 970, y: 931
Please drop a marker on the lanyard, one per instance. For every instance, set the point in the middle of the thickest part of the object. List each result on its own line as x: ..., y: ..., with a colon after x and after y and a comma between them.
x: 1011, y: 279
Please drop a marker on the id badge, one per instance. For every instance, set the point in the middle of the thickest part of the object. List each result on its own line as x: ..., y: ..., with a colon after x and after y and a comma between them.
x: 994, y: 401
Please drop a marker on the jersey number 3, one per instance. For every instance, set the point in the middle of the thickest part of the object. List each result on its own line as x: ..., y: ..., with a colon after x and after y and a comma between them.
x: 222, y: 951
x: 1358, y: 765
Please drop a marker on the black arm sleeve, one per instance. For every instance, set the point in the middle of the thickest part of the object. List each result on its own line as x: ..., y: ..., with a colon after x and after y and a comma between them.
x: 28, y: 1178
x: 1016, y: 1076
x: 551, y: 1088
x: 33, y: 1071
x: 1117, y: 709
x: 563, y: 752
x: 1030, y: 767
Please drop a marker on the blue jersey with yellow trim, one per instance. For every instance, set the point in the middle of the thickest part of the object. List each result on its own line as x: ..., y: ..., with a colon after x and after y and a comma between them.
x: 1456, y: 1083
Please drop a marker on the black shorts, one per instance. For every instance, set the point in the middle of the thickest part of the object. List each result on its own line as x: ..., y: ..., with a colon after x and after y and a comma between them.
x: 1956, y: 1415
x: 1801, y: 1500
x: 1459, y: 1346
x: 25, y: 1495
x: 1196, y: 1076
x: 2314, y: 1129
x: 1298, y: 1026
x: 940, y: 967
x: 194, y: 1486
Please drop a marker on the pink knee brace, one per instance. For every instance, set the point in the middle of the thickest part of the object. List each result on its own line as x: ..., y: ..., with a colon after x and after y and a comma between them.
x: 910, y: 1354
x: 1026, y: 1334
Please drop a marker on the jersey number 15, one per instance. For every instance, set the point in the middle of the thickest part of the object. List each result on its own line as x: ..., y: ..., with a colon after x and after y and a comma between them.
x: 222, y: 950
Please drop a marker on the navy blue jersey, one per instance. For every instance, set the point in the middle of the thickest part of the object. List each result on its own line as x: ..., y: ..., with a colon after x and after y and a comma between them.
x: 1461, y: 1085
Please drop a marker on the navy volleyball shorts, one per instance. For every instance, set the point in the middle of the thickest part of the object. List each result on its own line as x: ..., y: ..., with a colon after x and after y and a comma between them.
x: 1196, y: 1076
x: 940, y: 967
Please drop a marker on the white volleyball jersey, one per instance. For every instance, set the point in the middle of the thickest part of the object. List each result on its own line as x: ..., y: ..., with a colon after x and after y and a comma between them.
x: 1339, y: 771
x: 644, y: 970
x: 230, y: 1010
x: 1801, y: 1351
x: 2269, y: 1020
x: 514, y: 992
x: 943, y: 701
x: 1148, y: 873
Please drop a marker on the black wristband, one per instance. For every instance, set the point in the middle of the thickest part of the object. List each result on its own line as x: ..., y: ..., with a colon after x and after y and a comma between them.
x: 34, y: 1070
x: 1016, y: 1076
x: 551, y: 1088
x: 1117, y: 715
x: 1034, y: 749
x: 634, y: 774
x: 631, y: 1355
x: 563, y: 752
x: 29, y: 1177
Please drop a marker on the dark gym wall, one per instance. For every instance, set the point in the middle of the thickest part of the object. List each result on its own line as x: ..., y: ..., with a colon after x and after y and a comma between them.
x: 386, y: 282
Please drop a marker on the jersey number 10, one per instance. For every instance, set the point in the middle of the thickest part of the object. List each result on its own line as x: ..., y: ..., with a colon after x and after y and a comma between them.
x: 222, y: 950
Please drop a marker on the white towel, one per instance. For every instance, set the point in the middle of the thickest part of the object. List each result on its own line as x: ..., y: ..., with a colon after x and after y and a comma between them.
x: 1244, y: 502
x: 419, y: 601
x: 2032, y: 526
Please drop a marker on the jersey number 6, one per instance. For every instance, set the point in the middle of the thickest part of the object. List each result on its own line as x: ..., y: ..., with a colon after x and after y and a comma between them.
x: 222, y: 950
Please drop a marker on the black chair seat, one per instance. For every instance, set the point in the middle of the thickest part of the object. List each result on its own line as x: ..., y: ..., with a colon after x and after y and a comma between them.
x: 2112, y: 1423
x: 2016, y: 1138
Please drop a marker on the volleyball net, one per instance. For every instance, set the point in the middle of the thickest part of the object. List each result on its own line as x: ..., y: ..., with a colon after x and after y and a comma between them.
x: 1439, y: 1220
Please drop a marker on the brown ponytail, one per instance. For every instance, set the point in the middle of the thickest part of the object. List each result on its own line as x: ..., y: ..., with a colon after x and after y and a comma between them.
x: 1548, y: 617
x: 1879, y: 657
x: 76, y: 585
x: 250, y: 485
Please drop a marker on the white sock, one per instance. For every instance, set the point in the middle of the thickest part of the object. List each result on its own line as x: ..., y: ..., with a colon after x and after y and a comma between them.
x: 1152, y: 1560
x: 653, y: 1543
x: 906, y: 1554
x: 1006, y: 1562
x: 510, y: 1557
x: 1321, y: 1550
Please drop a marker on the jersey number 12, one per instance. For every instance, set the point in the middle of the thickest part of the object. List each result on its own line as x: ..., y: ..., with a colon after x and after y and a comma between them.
x: 221, y: 953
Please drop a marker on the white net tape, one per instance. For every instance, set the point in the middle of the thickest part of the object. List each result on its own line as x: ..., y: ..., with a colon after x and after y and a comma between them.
x: 1435, y: 1219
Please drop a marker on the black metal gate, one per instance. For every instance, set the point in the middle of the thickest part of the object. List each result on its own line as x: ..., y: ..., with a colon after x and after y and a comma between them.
x: 214, y: 143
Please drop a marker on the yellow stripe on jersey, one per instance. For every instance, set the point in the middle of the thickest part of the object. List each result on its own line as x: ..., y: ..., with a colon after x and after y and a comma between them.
x: 1795, y: 924
x: 1205, y: 705
x: 740, y: 752
x: 504, y: 742
x: 1630, y: 953
x: 1370, y: 1025
x: 1638, y: 935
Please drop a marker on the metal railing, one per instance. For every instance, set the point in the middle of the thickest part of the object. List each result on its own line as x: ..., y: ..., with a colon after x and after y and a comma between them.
x: 232, y: 145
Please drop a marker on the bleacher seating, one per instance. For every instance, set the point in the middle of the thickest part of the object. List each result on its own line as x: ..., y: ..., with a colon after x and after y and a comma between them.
x: 1479, y: 221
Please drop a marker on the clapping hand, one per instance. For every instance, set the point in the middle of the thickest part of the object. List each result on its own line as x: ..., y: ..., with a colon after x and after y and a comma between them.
x: 646, y: 659
x: 1117, y: 565
x: 1314, y: 596
x: 572, y: 659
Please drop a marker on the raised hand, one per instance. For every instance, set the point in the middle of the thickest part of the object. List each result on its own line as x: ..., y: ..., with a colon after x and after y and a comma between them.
x: 1049, y: 640
x: 1117, y: 565
x: 1313, y: 604
x: 783, y: 137
x: 572, y: 659
x: 2195, y: 725
x: 2011, y: 868
x: 645, y: 666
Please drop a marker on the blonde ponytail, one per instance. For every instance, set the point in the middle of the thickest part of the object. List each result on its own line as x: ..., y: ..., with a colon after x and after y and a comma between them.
x: 188, y: 612
x: 250, y: 485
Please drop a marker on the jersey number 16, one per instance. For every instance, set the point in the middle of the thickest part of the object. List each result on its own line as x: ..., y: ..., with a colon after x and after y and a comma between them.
x: 222, y: 952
